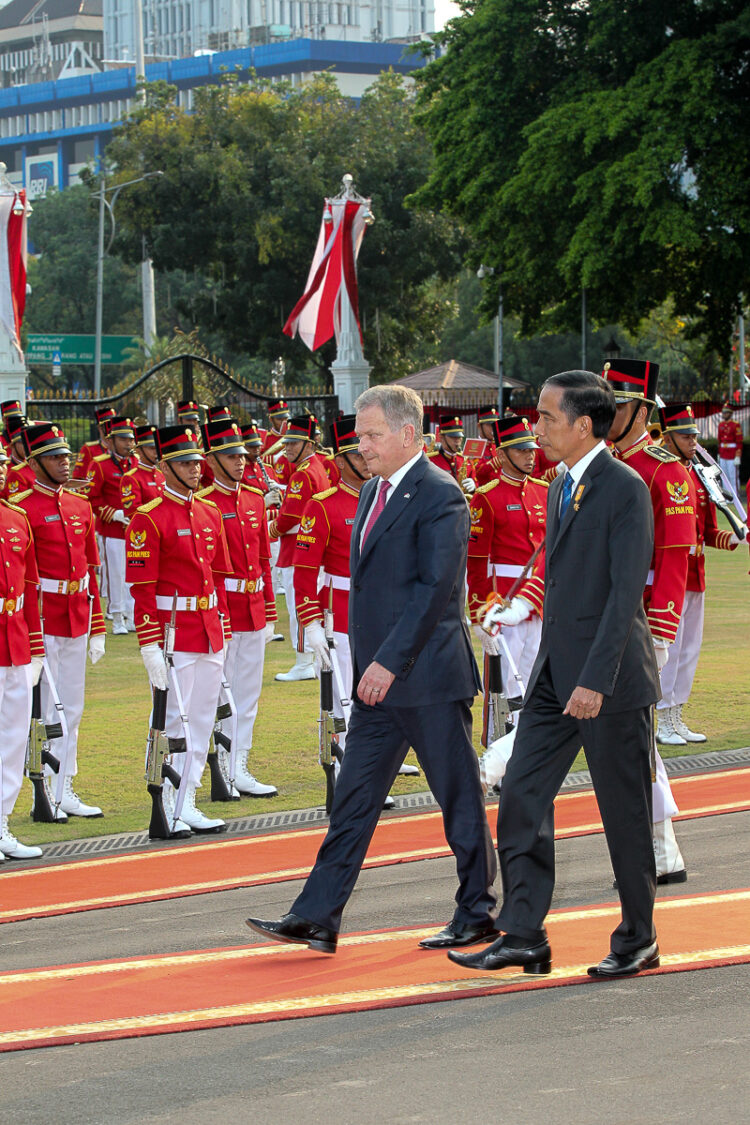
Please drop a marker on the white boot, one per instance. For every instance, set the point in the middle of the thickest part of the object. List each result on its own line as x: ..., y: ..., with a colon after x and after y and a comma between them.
x: 249, y: 785
x: 12, y: 848
x: 49, y: 787
x: 493, y: 762
x: 119, y: 628
x: 275, y: 637
x: 670, y: 866
x: 304, y: 669
x: 168, y: 798
x: 194, y: 818
x: 682, y: 728
x: 389, y: 802
x: 665, y: 731
x: 73, y: 805
x: 130, y: 624
x: 406, y: 769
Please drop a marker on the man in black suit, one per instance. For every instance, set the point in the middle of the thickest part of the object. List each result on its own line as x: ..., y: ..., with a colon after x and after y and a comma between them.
x: 415, y: 674
x: 593, y: 684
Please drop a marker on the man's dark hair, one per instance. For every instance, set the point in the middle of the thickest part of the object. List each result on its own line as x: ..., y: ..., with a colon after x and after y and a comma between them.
x: 584, y: 393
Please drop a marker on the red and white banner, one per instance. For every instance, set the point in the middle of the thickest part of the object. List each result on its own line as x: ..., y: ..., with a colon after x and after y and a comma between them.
x: 333, y: 274
x: 13, y: 214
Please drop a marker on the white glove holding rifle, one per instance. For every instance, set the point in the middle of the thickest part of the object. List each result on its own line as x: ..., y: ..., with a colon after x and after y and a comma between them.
x: 315, y: 638
x: 156, y: 666
x: 488, y: 643
x: 37, y: 664
x: 120, y: 517
x: 469, y: 485
x: 96, y: 647
x: 519, y: 610
x: 272, y: 498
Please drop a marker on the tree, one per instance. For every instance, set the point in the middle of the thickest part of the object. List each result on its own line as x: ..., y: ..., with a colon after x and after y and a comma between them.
x: 240, y: 202
x: 603, y: 145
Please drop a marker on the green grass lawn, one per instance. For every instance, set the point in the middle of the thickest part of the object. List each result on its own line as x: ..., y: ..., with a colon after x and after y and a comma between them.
x: 114, y: 728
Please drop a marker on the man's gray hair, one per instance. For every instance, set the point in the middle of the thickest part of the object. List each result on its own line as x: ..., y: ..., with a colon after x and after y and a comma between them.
x: 401, y: 406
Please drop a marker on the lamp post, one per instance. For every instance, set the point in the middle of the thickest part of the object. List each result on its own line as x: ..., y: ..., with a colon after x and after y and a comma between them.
x: 489, y: 271
x: 107, y: 205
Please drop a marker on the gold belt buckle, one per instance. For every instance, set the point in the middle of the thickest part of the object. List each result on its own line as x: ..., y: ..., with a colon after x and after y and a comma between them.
x: 203, y: 602
x: 251, y: 585
x: 73, y: 586
x: 10, y: 605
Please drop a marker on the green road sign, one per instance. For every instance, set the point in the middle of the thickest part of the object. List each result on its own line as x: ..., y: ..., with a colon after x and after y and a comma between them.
x: 41, y: 348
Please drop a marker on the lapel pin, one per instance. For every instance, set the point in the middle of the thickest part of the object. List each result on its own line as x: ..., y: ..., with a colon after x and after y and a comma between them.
x: 407, y: 496
x: 578, y: 495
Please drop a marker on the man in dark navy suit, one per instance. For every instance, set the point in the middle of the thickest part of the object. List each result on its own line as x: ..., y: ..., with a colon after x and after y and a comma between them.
x: 415, y: 675
x: 593, y: 684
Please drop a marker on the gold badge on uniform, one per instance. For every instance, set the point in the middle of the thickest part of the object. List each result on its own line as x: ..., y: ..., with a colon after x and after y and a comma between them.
x: 307, y: 523
x: 137, y: 538
x: 678, y: 492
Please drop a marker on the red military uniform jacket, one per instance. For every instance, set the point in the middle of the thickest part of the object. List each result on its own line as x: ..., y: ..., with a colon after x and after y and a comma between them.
x: 305, y: 481
x: 66, y: 554
x: 176, y: 545
x: 103, y: 492
x: 675, y: 531
x: 20, y: 478
x: 458, y: 466
x: 488, y: 466
x: 86, y: 454
x: 708, y: 535
x: 508, y: 522
x: 249, y: 588
x: 324, y: 540
x: 730, y: 440
x: 20, y: 629
x: 138, y: 486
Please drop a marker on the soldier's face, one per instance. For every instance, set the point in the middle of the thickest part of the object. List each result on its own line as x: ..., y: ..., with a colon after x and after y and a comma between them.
x: 294, y: 450
x: 231, y: 465
x: 518, y: 462
x: 182, y: 476
x: 485, y: 431
x: 684, y: 445
x: 452, y: 442
x: 122, y: 445
x: 57, y: 467
x: 148, y: 453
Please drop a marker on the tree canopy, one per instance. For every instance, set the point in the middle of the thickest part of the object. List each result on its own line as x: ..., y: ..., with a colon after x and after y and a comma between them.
x: 601, y: 144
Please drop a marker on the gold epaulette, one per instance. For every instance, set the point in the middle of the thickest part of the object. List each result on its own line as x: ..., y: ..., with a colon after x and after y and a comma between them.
x: 538, y: 480
x: 101, y: 457
x: 487, y: 487
x: 22, y: 495
x: 431, y: 452
x: 151, y: 504
x: 325, y: 494
x: 202, y: 493
x: 659, y: 453
x: 205, y: 501
x: 252, y: 488
x: 14, y: 507
x: 129, y: 472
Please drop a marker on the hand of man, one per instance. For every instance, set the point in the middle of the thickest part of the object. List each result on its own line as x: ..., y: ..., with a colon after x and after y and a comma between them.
x: 738, y: 460
x: 374, y: 685
x: 96, y: 647
x: 661, y: 652
x: 120, y: 517
x: 584, y: 703
x: 156, y: 666
x: 315, y: 638
x: 519, y: 610
x: 269, y: 632
x: 37, y: 664
x: 488, y: 643
x: 272, y: 498
x: 469, y: 485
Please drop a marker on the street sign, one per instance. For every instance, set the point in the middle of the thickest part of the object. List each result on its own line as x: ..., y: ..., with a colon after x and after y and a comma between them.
x: 42, y: 348
x: 56, y: 363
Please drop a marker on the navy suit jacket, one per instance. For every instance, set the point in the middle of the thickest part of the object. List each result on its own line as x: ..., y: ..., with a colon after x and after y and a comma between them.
x: 595, y: 633
x: 406, y: 603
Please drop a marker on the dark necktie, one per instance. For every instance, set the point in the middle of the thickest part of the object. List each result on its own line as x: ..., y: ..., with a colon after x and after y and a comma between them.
x: 567, y: 492
x: 377, y: 509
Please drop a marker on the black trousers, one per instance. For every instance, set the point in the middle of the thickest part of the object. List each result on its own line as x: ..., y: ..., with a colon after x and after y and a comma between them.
x: 376, y: 744
x: 617, y: 748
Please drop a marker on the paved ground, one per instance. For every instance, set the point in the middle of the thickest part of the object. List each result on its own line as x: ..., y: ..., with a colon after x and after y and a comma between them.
x: 667, y: 1049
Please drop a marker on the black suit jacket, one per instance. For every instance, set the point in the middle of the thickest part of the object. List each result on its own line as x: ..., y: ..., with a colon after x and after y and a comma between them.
x: 595, y: 632
x: 406, y: 603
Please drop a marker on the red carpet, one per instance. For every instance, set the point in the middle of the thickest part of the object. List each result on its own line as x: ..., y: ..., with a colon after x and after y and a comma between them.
x: 223, y: 864
x: 259, y: 983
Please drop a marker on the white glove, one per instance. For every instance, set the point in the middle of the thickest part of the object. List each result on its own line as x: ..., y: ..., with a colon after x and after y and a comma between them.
x: 156, y: 666
x: 96, y: 647
x: 738, y: 460
x: 735, y: 540
x: 272, y: 498
x: 469, y: 485
x: 492, y: 764
x: 519, y: 610
x: 37, y: 664
x: 661, y: 651
x: 120, y: 517
x: 488, y: 643
x: 269, y: 632
x: 315, y: 638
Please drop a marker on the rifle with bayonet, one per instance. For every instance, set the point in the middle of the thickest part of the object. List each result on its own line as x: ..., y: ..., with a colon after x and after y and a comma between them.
x: 711, y: 477
x: 158, y: 769
x: 223, y: 771
x: 39, y: 755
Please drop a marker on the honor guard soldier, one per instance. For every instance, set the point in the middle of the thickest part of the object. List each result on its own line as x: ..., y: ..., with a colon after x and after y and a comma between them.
x: 91, y: 449
x: 487, y: 466
x: 680, y: 435
x: 145, y: 480
x: 446, y: 454
x: 259, y: 475
x: 62, y: 524
x: 308, y: 477
x: 20, y: 476
x: 730, y: 445
x: 273, y: 449
x: 508, y: 522
x: 103, y: 492
x: 176, y: 563
x: 250, y: 600
x: 634, y: 384
x: 21, y: 660
x: 10, y: 408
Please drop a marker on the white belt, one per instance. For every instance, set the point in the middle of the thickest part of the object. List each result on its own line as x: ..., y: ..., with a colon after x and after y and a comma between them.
x: 65, y: 585
x: 243, y: 585
x: 338, y: 581
x: 503, y: 570
x: 11, y: 605
x: 650, y: 578
x: 202, y: 601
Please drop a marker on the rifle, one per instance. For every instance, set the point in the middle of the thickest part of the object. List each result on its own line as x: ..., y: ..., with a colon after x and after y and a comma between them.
x: 327, y: 734
x: 182, y: 745
x: 222, y: 788
x: 710, y: 477
x: 38, y: 755
x: 498, y: 705
x: 157, y: 769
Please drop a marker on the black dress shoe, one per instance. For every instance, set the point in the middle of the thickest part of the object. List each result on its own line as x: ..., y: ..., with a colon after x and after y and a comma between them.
x: 626, y: 964
x: 297, y: 931
x: 668, y: 877
x: 459, y: 933
x: 535, y: 959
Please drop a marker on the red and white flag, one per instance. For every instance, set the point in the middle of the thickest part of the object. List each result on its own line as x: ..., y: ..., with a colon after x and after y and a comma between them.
x: 333, y: 274
x: 13, y: 215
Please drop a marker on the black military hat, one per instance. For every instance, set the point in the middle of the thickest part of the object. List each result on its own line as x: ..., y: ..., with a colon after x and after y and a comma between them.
x: 40, y: 438
x: 213, y: 413
x: 15, y: 424
x: 145, y: 435
x: 513, y: 432
x: 632, y: 379
x: 188, y: 410
x: 178, y: 443
x: 251, y: 434
x: 119, y: 426
x: 488, y: 413
x: 223, y: 435
x: 278, y: 408
x: 342, y: 435
x: 303, y: 427
x: 451, y: 424
x: 11, y: 407
x: 102, y: 413
x: 677, y: 418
